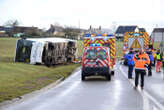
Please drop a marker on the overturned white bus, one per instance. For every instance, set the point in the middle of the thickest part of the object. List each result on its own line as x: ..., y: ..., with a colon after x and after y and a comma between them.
x: 48, y: 51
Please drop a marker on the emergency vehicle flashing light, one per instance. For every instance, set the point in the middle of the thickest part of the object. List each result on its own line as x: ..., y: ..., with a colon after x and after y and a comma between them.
x: 95, y: 45
x: 97, y: 35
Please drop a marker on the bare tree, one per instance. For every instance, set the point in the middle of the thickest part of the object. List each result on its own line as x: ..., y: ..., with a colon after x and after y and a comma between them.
x: 12, y: 23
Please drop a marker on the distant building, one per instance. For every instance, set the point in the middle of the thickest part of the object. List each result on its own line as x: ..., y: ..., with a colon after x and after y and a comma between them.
x: 99, y: 30
x: 56, y: 30
x: 158, y: 34
x: 121, y: 30
x: 25, y: 30
x: 4, y: 31
x: 92, y: 30
x: 10, y: 31
x: 142, y: 30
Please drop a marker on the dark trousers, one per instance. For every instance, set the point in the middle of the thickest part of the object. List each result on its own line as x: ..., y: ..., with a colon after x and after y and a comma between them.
x: 141, y: 73
x: 130, y: 71
x: 150, y: 69
x: 154, y: 62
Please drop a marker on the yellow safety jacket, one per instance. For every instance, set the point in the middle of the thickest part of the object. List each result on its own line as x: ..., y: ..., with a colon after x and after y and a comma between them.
x: 158, y: 56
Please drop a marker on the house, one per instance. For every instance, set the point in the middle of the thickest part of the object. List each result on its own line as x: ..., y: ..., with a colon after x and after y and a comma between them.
x: 25, y: 30
x: 94, y: 30
x: 56, y: 30
x: 99, y: 30
x: 4, y: 31
x: 142, y: 30
x: 10, y: 31
x: 121, y: 30
x: 158, y: 34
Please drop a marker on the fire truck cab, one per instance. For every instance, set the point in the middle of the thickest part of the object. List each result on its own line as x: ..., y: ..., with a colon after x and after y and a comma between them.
x: 96, y: 61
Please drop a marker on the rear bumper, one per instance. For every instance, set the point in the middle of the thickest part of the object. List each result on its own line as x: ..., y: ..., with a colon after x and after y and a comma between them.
x: 90, y: 71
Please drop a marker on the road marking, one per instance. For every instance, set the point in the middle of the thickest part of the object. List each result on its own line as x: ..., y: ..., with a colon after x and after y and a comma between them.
x: 145, y: 95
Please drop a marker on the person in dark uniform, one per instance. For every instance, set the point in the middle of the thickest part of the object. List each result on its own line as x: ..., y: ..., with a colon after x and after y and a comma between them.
x: 154, y: 56
x: 149, y: 52
x: 130, y: 63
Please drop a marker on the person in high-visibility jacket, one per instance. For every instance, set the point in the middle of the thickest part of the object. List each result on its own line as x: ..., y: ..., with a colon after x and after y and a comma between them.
x: 141, y: 61
x: 159, y: 61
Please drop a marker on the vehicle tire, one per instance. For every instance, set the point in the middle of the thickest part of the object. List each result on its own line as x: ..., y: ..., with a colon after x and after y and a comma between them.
x: 108, y: 77
x: 112, y: 73
x: 82, y: 76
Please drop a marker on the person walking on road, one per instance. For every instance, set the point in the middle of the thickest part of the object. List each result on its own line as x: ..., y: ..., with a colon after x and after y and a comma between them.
x: 159, y: 61
x: 141, y: 61
x: 130, y: 63
x: 151, y: 62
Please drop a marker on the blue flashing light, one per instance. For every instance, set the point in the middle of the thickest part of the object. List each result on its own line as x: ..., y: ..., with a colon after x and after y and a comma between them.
x: 99, y: 34
x: 92, y: 45
x: 95, y: 45
x: 94, y: 35
x: 87, y: 35
x: 98, y: 45
x: 110, y: 35
x: 136, y: 34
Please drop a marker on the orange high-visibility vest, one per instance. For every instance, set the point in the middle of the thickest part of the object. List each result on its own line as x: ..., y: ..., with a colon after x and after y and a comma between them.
x: 144, y: 59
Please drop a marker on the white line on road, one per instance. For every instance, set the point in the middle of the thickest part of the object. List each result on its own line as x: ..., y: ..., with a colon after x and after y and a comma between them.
x: 145, y: 94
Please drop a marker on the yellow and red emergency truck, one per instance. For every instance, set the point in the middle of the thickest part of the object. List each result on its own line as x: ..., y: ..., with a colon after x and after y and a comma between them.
x: 99, y: 55
x: 136, y: 40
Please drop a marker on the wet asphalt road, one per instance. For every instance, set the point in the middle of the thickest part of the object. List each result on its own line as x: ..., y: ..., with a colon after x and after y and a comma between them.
x: 94, y: 94
x: 153, y: 88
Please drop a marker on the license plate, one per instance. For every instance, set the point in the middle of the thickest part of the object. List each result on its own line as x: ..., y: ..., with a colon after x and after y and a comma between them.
x: 91, y: 63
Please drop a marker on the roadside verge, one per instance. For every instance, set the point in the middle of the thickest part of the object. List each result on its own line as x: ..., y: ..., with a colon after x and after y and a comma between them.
x: 34, y: 93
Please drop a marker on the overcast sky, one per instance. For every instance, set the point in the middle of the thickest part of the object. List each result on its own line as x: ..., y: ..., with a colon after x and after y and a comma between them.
x: 42, y: 13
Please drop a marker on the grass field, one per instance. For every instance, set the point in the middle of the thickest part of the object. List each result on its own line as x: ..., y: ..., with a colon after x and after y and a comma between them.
x: 17, y: 79
x: 80, y: 48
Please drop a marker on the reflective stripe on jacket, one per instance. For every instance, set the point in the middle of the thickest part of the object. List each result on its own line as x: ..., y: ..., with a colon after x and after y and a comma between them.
x: 141, y: 61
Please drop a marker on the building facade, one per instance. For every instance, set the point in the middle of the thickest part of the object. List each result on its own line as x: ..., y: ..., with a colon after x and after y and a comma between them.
x: 158, y: 34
